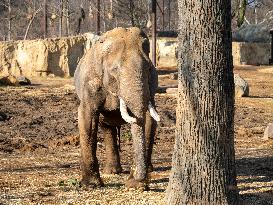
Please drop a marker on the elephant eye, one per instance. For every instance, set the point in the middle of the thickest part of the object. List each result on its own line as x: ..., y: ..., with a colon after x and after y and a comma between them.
x: 114, y: 69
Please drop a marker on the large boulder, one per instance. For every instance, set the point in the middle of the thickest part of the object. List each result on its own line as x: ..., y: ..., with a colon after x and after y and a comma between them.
x: 11, y: 80
x: 241, y: 86
x: 8, y: 81
x: 258, y: 33
x: 22, y: 80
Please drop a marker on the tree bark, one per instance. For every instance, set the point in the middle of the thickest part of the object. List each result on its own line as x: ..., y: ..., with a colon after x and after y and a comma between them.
x: 9, y: 20
x: 61, y: 17
x: 67, y: 17
x: 45, y: 19
x: 203, y: 165
x: 169, y: 10
x: 98, y: 17
x: 30, y: 22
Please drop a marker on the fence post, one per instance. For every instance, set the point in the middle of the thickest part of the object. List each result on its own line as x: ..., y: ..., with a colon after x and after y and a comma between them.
x: 271, y: 59
x: 154, y: 32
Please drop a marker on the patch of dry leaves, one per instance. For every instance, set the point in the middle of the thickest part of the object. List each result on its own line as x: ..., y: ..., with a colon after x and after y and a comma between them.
x: 51, y: 175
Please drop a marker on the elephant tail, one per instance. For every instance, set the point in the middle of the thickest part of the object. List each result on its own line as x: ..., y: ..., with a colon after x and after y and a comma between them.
x: 118, y: 129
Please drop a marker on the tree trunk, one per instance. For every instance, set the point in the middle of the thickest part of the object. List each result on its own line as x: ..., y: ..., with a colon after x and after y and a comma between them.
x: 169, y: 10
x: 163, y: 15
x: 9, y: 20
x: 28, y: 27
x: 61, y: 18
x: 104, y: 16
x: 67, y: 17
x: 132, y: 12
x: 30, y: 22
x: 98, y: 17
x: 203, y: 164
x: 45, y: 19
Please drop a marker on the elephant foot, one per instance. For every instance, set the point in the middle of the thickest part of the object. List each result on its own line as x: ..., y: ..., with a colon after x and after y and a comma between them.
x: 112, y: 169
x: 92, y: 182
x: 136, y: 185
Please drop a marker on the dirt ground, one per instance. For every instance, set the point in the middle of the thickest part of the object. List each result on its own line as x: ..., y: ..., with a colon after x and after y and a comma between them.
x: 39, y: 146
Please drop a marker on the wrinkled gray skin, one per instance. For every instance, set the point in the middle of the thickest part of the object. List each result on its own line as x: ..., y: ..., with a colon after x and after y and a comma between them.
x: 117, y: 66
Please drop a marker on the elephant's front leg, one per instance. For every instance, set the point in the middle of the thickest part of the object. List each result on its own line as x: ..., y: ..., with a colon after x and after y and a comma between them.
x: 150, y: 129
x: 88, y: 128
x: 138, y: 176
x: 112, y: 153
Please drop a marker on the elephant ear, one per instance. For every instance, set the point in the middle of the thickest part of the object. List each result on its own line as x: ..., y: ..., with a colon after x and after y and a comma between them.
x: 110, y: 83
x: 111, y: 52
x: 153, y: 81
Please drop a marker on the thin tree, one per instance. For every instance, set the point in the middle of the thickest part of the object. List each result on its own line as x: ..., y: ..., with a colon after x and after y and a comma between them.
x: 31, y: 17
x: 203, y: 165
x: 9, y: 20
x: 67, y: 17
x: 7, y: 5
x: 61, y: 12
x: 80, y: 19
x: 45, y: 19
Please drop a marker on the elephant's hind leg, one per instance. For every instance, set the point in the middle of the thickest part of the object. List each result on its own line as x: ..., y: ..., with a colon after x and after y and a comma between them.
x: 88, y: 128
x: 112, y: 153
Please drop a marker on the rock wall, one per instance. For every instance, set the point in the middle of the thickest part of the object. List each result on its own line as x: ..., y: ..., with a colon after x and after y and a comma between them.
x: 251, y: 53
x: 58, y: 56
x: 243, y: 53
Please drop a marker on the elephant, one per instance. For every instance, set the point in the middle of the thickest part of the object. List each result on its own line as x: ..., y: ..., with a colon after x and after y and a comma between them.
x: 116, y: 82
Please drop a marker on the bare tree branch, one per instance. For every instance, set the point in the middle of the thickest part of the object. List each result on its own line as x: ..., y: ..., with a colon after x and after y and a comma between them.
x: 3, y: 4
x: 31, y: 20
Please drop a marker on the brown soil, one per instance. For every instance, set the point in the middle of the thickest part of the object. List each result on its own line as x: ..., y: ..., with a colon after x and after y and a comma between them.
x: 39, y: 145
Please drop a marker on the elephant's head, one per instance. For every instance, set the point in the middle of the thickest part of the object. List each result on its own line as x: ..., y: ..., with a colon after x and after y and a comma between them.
x: 128, y: 71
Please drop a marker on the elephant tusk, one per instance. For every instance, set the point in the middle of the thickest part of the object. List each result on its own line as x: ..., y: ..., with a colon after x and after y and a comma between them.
x: 153, y: 112
x: 124, y: 113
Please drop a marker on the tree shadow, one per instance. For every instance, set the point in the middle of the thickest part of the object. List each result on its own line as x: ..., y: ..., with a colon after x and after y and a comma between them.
x: 161, y: 180
x: 257, y: 174
x: 157, y: 190
x: 255, y: 166
x: 260, y: 97
x: 116, y: 185
x: 162, y: 169
x: 164, y: 71
x: 39, y: 168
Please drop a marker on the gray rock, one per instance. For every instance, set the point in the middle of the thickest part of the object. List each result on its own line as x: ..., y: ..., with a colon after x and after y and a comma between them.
x: 268, y: 132
x: 253, y: 33
x: 22, y: 80
x: 173, y: 76
x: 241, y: 86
